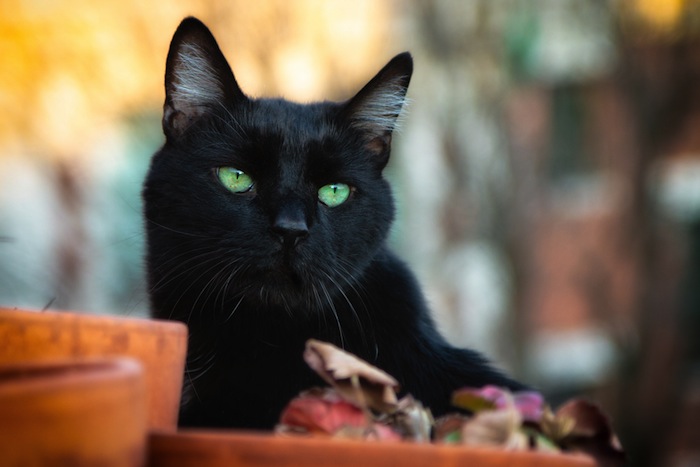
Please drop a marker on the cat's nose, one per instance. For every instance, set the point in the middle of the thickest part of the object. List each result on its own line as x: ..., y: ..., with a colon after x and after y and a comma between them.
x: 290, y: 229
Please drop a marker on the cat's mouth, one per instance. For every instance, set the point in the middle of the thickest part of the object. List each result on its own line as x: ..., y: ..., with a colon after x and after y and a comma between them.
x: 283, y: 273
x: 285, y: 265
x: 286, y: 276
x: 283, y: 288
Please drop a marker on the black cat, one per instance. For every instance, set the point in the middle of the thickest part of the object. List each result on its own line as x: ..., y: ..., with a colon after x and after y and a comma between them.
x: 267, y: 224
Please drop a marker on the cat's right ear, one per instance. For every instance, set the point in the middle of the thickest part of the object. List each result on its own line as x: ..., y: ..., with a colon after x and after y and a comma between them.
x: 376, y: 108
x: 197, y: 77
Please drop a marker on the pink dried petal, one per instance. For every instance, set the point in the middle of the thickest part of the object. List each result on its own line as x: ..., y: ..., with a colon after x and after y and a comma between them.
x: 530, y: 404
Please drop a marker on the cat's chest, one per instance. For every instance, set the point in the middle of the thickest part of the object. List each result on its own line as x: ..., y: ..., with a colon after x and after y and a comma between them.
x: 275, y: 338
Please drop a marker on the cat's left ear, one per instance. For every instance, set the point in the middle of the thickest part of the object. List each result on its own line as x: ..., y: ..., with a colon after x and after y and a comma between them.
x: 198, y: 78
x: 376, y: 108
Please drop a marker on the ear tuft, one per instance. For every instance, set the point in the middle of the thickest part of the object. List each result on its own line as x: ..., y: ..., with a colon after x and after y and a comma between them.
x: 197, y: 77
x: 376, y: 108
x: 194, y: 82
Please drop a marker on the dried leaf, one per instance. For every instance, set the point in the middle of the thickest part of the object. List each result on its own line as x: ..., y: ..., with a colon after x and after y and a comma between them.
x: 591, y: 433
x: 589, y: 419
x: 542, y: 443
x: 495, y: 428
x: 325, y: 412
x: 321, y: 411
x: 356, y: 380
x: 453, y: 437
x: 448, y: 428
x: 556, y: 426
x: 472, y: 400
x: 411, y: 420
x: 530, y: 404
x: 518, y: 420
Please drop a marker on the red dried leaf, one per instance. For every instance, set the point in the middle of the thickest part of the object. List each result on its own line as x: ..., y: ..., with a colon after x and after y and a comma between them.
x: 322, y: 412
x: 325, y: 412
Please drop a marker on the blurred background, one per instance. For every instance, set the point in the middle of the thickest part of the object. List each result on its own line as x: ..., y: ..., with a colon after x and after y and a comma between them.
x: 547, y: 171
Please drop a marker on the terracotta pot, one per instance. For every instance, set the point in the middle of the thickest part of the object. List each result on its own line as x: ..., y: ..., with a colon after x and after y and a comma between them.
x: 160, y: 346
x: 77, y: 413
x: 214, y: 449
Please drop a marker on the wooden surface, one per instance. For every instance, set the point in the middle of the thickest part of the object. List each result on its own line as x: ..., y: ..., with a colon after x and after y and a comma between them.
x: 160, y: 346
x: 89, y: 413
x: 230, y: 449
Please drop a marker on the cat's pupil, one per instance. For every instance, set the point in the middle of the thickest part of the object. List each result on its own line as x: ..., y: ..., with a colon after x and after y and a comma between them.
x: 235, y: 180
x: 334, y: 194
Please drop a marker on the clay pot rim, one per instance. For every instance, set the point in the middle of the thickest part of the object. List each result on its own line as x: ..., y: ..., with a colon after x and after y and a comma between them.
x: 141, y: 324
x: 223, y: 444
x: 41, y: 375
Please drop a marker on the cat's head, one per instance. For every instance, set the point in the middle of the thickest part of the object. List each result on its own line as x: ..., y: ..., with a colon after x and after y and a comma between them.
x: 264, y: 198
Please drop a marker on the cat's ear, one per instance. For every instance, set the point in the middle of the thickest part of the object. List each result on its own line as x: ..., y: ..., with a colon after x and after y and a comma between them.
x: 197, y: 77
x: 376, y: 108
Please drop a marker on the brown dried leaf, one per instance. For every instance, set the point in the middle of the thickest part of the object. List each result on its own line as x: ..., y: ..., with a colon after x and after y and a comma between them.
x: 495, y: 428
x: 556, y: 426
x: 411, y: 420
x: 589, y: 419
x: 542, y: 443
x: 356, y: 380
x: 448, y: 428
x: 591, y: 433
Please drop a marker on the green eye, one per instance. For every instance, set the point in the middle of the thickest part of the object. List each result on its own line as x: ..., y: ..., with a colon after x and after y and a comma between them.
x: 334, y: 194
x: 235, y: 180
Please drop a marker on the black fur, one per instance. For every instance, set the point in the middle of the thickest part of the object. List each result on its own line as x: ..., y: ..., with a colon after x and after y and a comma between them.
x: 256, y: 274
